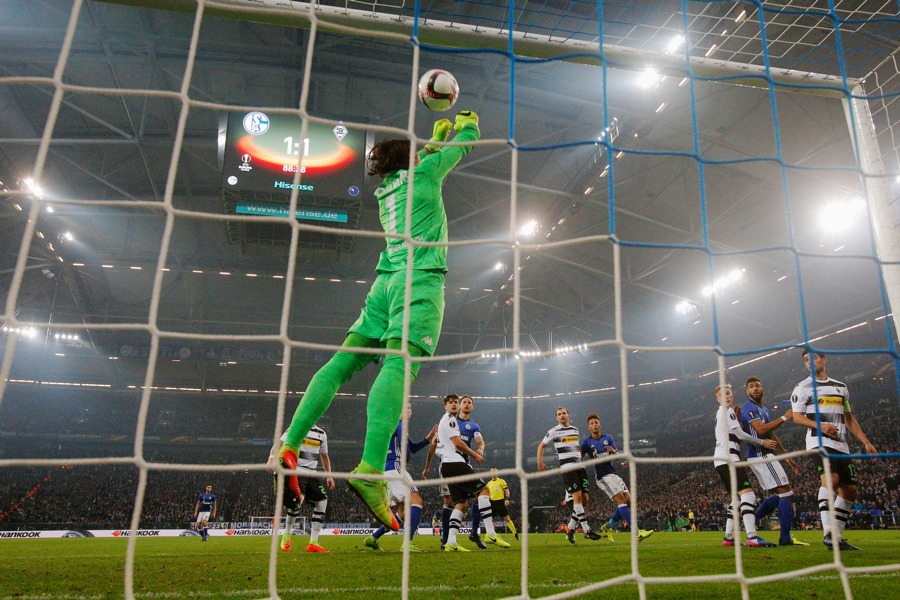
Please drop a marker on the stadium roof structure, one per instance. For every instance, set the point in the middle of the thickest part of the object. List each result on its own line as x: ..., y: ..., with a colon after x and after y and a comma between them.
x: 696, y: 179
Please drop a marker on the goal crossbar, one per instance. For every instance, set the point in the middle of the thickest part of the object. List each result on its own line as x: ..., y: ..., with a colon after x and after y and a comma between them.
x: 525, y: 44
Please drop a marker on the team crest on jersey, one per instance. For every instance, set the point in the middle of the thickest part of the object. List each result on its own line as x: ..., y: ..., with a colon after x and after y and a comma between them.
x: 452, y: 424
x: 468, y: 426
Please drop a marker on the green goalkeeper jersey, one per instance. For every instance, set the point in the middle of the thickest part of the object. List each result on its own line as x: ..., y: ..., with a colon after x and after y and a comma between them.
x: 429, y: 219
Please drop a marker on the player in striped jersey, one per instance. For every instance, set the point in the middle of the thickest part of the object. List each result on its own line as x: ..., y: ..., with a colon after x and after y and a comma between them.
x: 565, y: 440
x: 728, y: 437
x: 757, y: 423
x: 832, y: 399
x: 313, y: 447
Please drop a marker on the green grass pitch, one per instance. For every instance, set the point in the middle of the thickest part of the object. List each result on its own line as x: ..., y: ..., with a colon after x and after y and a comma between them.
x: 184, y: 568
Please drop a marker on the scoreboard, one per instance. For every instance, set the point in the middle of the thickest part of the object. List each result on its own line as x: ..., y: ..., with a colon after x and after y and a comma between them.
x: 264, y: 151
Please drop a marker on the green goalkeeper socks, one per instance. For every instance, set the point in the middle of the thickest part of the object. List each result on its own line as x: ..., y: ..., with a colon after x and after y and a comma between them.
x: 322, y: 388
x: 384, y: 409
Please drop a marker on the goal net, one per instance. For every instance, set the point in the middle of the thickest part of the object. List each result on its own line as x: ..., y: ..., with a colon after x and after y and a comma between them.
x: 666, y: 197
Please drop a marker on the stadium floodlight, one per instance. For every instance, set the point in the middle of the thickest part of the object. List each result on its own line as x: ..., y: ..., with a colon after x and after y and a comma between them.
x: 529, y: 228
x: 32, y: 186
x: 724, y: 282
x: 836, y: 215
x: 675, y: 44
x: 649, y: 78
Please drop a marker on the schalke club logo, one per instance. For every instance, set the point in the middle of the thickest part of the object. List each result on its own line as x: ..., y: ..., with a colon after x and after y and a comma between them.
x: 256, y: 123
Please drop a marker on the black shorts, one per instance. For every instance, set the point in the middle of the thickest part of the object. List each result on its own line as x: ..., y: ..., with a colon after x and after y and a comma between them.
x: 844, y: 467
x: 576, y: 480
x: 313, y: 491
x: 460, y: 491
x: 498, y: 508
x: 743, y: 478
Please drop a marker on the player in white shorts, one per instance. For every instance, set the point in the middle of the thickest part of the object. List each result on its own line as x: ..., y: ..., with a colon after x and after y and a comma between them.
x: 602, y: 444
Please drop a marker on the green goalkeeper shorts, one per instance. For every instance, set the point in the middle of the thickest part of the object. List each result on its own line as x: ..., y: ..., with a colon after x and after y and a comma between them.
x: 382, y: 316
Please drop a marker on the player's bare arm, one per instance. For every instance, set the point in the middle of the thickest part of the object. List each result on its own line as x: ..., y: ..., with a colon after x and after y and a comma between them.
x: 828, y: 429
x: 780, y: 449
x: 326, y: 464
x: 540, y: 457
x: 431, y: 450
x: 273, y: 455
x: 854, y: 427
x: 461, y: 447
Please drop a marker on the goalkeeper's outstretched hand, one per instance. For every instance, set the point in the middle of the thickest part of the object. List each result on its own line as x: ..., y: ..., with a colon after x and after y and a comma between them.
x: 441, y: 130
x: 465, y: 117
x: 439, y: 134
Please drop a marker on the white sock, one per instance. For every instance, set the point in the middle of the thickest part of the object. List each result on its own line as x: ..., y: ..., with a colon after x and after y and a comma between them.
x: 289, y: 525
x: 823, y: 510
x: 842, y: 510
x: 579, y: 514
x: 318, y: 517
x: 455, y: 522
x: 748, y: 502
x: 484, y: 508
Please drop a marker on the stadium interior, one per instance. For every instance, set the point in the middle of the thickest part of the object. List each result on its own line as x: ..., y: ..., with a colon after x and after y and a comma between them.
x: 584, y: 235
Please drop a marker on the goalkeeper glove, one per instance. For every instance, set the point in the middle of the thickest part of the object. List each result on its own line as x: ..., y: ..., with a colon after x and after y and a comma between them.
x: 440, y: 133
x: 465, y: 117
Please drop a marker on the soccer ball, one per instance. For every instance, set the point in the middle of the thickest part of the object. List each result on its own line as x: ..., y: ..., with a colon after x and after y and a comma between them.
x: 438, y: 90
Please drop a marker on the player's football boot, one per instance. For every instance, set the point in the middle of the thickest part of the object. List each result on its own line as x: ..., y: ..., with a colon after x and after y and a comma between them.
x: 842, y: 545
x: 643, y: 534
x: 590, y: 534
x: 285, y: 544
x: 315, y: 548
x: 570, y: 535
x: 497, y: 540
x: 792, y: 542
x: 606, y: 530
x: 371, y: 542
x: 414, y: 548
x: 375, y: 496
x: 516, y: 535
x: 288, y: 460
x: 455, y: 548
x: 726, y: 541
x: 476, y: 539
x: 758, y: 542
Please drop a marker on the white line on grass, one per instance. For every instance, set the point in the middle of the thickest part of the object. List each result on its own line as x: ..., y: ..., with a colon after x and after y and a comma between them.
x: 389, y: 589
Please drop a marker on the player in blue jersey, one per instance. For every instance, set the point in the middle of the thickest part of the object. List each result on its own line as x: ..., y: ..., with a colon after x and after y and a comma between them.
x: 397, y: 490
x: 204, y: 511
x: 470, y: 434
x: 598, y: 445
x: 756, y: 422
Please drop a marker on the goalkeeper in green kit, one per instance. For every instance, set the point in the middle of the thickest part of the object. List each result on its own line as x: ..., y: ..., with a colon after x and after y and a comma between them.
x: 381, y: 322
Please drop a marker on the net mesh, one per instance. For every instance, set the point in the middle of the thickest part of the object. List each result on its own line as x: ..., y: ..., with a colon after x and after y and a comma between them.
x: 810, y: 49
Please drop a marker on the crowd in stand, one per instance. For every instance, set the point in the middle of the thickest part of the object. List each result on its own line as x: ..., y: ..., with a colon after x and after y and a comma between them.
x: 103, y: 495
